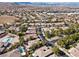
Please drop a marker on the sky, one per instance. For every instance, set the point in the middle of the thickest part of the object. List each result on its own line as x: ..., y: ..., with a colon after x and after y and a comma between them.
x: 39, y: 0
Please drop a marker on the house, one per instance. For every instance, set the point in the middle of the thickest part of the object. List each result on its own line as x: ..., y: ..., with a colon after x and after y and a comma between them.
x: 14, y: 28
x: 1, y: 50
x: 74, y: 51
x: 13, y: 53
x: 31, y: 31
x: 42, y: 52
x: 4, y: 46
x: 2, y: 33
x: 30, y: 43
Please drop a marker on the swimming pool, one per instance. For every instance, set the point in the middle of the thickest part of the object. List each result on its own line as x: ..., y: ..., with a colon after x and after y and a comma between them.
x: 7, y: 40
x: 22, y: 50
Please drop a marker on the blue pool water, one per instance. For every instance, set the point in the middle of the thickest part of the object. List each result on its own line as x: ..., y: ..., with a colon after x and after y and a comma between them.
x: 21, y: 49
x: 8, y: 39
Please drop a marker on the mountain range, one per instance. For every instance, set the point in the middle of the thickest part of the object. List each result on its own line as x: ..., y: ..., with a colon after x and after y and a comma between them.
x: 70, y: 4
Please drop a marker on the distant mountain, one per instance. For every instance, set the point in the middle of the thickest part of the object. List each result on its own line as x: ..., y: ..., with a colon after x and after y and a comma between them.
x: 31, y: 6
x: 22, y: 3
x: 71, y: 4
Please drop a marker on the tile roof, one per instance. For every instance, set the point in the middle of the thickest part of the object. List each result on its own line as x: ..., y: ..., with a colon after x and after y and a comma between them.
x: 13, y: 53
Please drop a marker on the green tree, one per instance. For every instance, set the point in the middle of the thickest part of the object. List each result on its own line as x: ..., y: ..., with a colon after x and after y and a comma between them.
x: 56, y: 51
x: 52, y: 32
x: 47, y: 34
x: 31, y: 38
x: 21, y: 42
x: 23, y: 28
x: 21, y: 38
x: 20, y: 34
x: 57, y: 32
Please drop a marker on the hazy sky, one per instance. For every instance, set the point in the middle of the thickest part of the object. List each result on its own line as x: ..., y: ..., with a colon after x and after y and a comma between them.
x: 39, y: 0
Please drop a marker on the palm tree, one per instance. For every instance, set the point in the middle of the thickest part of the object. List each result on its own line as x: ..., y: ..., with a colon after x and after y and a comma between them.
x: 21, y: 38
